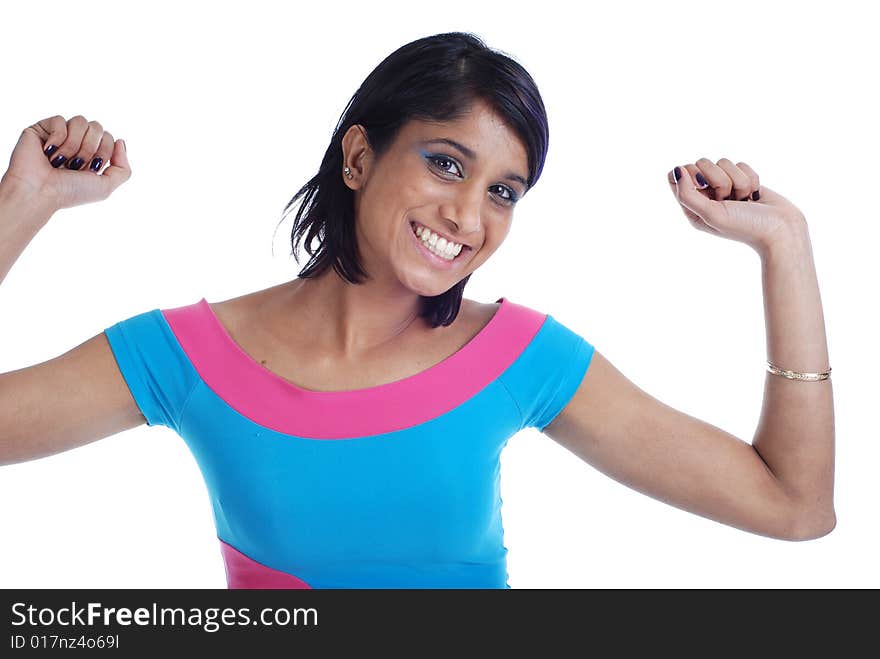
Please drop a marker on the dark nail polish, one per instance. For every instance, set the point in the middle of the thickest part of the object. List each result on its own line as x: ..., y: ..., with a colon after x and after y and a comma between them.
x: 701, y: 179
x: 59, y: 159
x: 76, y: 163
x: 756, y: 195
x: 50, y: 149
x: 96, y: 164
x: 677, y: 173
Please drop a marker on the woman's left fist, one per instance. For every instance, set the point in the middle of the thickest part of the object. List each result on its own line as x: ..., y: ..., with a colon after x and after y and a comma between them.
x: 729, y: 200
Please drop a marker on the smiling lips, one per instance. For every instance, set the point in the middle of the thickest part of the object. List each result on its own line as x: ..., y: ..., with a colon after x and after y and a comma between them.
x: 437, y: 244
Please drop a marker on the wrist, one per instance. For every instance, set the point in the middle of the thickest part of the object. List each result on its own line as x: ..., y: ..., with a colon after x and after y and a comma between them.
x: 791, y: 238
x: 22, y: 205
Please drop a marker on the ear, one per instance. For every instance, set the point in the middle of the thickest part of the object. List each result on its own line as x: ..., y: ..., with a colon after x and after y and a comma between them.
x: 356, y: 154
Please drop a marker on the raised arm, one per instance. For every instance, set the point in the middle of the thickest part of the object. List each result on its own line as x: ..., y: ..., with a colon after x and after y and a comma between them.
x: 79, y: 396
x: 781, y: 485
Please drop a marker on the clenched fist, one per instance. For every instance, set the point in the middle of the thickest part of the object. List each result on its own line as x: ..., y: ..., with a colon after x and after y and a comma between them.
x: 728, y: 200
x: 59, y: 163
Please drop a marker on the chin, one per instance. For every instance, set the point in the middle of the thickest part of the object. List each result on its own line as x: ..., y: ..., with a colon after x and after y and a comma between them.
x: 430, y: 290
x: 427, y: 284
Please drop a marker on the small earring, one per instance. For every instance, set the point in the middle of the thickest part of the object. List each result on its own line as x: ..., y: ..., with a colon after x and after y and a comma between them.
x: 348, y: 173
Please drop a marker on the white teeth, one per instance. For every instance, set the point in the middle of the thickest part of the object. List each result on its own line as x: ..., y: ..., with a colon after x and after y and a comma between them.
x: 437, y: 244
x: 441, y: 253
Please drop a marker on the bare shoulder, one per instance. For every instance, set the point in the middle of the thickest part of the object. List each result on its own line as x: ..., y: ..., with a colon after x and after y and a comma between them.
x: 233, y: 311
x: 472, y: 317
x: 481, y: 312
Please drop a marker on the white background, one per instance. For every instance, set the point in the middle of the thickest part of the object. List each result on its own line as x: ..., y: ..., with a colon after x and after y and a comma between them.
x: 227, y: 110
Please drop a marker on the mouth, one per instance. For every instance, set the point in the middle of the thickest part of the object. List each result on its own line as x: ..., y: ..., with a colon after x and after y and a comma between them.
x: 434, y: 248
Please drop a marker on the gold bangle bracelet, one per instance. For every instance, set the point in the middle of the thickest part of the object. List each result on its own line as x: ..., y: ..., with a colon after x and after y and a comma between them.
x: 795, y: 375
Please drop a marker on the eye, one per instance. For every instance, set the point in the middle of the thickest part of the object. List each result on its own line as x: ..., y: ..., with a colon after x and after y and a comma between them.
x: 511, y: 195
x: 442, y: 159
x: 441, y: 162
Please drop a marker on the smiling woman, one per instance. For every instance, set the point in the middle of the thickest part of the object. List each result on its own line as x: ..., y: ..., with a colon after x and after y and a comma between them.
x: 349, y: 423
x: 457, y: 133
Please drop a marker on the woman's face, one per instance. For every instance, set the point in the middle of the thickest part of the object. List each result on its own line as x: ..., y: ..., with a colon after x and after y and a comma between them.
x: 465, y: 195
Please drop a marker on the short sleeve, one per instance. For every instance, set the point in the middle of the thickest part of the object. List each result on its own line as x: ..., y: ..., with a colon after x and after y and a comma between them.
x: 548, y: 372
x: 155, y: 367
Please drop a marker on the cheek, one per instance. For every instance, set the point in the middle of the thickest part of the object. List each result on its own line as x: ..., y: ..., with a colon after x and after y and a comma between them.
x: 493, y: 240
x: 409, y: 183
x: 497, y: 232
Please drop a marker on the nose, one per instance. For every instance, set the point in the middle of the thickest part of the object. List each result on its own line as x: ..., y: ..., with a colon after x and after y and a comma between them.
x: 463, y: 213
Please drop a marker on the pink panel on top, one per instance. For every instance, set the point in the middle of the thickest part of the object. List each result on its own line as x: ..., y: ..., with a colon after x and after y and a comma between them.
x: 273, y: 402
x: 244, y: 572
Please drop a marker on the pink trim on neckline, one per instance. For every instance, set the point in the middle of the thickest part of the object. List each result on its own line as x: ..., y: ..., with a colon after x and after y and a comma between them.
x: 266, y: 398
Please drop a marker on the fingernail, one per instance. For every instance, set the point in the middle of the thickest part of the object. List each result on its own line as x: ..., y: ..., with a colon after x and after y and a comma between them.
x: 58, y: 160
x: 756, y: 195
x: 96, y: 164
x: 76, y: 163
x: 677, y: 173
x: 701, y: 180
x: 50, y: 149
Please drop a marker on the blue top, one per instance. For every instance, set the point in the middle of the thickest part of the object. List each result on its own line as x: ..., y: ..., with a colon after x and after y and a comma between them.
x: 393, y: 486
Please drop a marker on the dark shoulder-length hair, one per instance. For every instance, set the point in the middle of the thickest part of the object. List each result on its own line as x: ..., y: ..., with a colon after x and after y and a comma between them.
x: 435, y: 78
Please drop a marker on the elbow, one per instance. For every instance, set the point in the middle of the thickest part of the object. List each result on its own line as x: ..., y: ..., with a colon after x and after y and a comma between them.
x: 811, y: 525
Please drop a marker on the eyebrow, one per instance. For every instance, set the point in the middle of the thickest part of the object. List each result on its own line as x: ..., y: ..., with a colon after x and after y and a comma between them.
x: 469, y: 153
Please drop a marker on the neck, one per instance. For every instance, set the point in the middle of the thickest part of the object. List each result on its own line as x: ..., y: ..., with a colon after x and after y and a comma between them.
x: 352, y: 319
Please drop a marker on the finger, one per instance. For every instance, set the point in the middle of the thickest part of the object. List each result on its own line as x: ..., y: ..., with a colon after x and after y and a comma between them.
x: 102, y: 153
x: 76, y: 129
x: 118, y: 171
x: 30, y: 136
x: 695, y: 219
x: 690, y: 197
x: 90, y: 142
x: 754, y: 181
x: 773, y: 198
x: 52, y: 131
x: 701, y: 181
x: 742, y: 186
x: 718, y: 179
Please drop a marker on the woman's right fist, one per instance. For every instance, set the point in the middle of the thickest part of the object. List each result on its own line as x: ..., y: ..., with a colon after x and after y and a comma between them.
x: 57, y: 164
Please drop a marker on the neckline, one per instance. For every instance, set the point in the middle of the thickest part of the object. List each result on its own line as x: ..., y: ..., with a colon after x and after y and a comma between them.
x: 475, y: 346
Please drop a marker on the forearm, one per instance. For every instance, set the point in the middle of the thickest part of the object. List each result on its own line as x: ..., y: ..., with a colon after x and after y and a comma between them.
x: 795, y: 434
x: 20, y: 221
